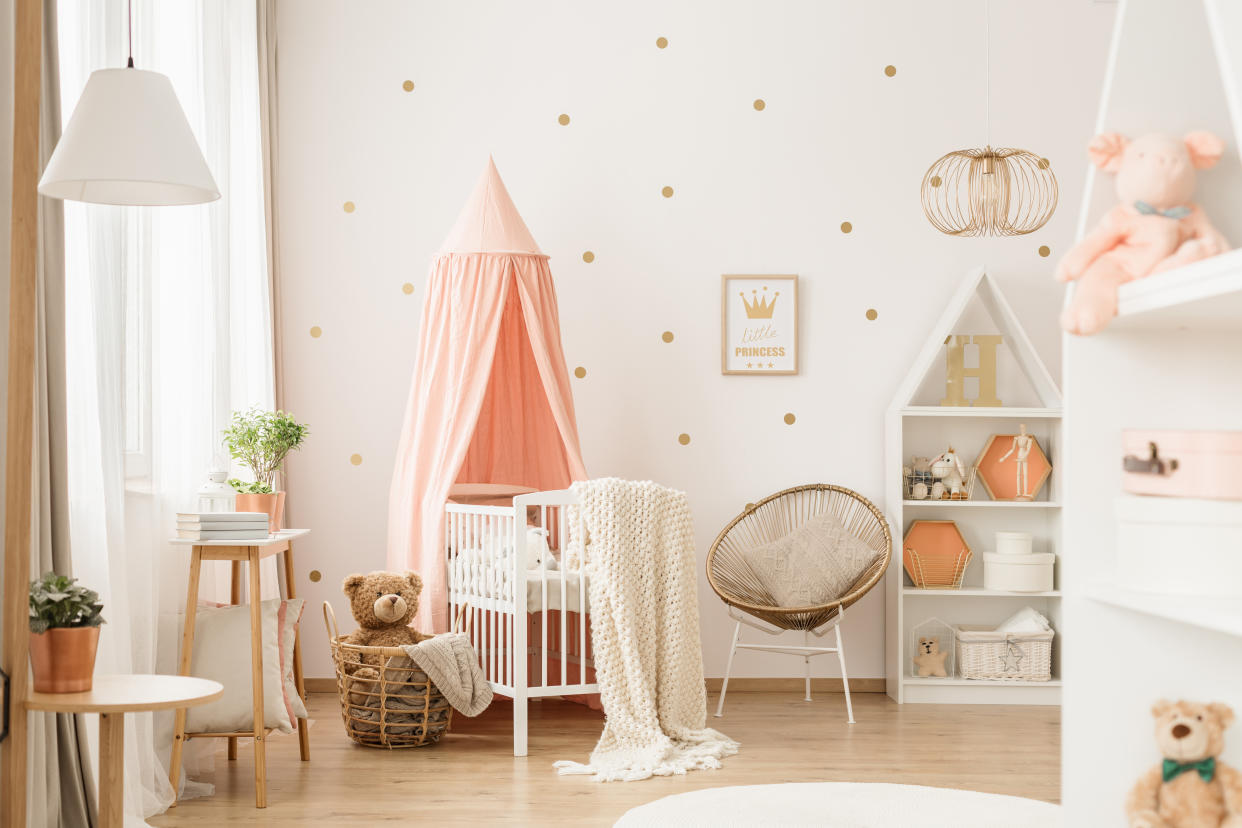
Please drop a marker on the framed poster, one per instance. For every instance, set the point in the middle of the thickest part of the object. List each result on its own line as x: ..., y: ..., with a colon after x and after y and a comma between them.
x: 759, y: 325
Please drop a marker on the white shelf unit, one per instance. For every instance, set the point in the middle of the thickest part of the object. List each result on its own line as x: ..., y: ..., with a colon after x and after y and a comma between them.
x: 1172, y: 359
x: 1207, y: 612
x: 918, y: 427
x: 976, y: 592
x: 980, y: 504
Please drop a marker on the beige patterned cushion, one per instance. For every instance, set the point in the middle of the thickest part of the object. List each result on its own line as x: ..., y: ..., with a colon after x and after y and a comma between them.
x: 815, y: 563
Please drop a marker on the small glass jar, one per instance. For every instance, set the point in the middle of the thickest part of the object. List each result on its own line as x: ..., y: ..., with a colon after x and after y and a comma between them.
x: 216, y: 495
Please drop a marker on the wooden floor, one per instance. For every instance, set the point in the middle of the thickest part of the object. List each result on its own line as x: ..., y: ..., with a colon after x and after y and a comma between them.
x: 471, y: 777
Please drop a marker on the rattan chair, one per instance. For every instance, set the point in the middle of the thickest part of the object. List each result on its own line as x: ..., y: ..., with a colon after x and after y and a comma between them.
x: 750, y: 603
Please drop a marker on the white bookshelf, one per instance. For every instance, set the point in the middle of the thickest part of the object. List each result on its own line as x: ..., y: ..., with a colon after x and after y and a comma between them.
x: 1172, y: 359
x: 918, y: 426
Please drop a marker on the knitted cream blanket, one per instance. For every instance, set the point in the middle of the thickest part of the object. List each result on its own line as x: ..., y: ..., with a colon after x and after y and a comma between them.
x: 645, y: 634
x: 453, y: 665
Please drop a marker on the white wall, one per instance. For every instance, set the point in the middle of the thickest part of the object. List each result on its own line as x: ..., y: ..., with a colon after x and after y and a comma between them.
x: 755, y: 192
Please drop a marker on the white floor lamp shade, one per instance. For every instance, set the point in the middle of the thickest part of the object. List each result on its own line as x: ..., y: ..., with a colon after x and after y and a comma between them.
x: 128, y: 142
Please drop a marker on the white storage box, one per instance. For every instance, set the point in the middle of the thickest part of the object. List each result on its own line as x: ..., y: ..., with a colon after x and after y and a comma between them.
x: 1185, y: 546
x: 1018, y: 573
x: 1013, y: 543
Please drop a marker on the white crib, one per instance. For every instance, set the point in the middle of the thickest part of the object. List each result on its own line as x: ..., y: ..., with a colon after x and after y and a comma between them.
x: 530, y: 627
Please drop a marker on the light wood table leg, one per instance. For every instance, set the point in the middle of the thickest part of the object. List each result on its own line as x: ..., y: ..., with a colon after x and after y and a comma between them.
x: 256, y: 668
x: 112, y: 770
x: 187, y: 660
x: 235, y: 587
x: 291, y: 592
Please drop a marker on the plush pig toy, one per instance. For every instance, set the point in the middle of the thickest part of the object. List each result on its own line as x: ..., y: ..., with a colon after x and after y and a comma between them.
x: 1155, y: 227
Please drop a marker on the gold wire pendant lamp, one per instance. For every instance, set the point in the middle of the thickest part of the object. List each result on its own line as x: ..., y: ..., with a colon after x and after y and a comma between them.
x: 990, y: 191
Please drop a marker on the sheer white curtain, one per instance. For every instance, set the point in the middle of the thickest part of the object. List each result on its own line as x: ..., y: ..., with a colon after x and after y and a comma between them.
x: 169, y: 329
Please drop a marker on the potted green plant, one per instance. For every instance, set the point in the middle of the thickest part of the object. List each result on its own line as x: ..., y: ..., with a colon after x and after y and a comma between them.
x: 64, y: 634
x: 260, y: 440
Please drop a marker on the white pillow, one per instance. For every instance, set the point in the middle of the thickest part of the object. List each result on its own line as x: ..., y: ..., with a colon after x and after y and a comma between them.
x: 1025, y: 620
x: 222, y: 653
x: 814, y: 564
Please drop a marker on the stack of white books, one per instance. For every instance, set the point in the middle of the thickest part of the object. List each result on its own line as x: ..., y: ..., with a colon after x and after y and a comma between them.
x: 238, y: 526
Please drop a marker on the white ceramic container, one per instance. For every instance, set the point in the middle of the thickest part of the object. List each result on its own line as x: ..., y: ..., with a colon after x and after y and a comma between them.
x: 1179, y: 545
x: 1013, y: 543
x: 1018, y: 573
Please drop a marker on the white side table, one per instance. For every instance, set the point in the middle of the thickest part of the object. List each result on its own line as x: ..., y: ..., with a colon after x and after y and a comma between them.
x: 250, y: 553
x: 112, y: 697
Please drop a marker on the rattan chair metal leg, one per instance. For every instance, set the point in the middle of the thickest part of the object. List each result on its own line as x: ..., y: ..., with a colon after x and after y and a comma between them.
x: 724, y: 685
x: 845, y: 679
x: 806, y: 642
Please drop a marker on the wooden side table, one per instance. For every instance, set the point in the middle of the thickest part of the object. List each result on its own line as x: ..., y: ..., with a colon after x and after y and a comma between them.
x: 112, y: 697
x: 250, y: 553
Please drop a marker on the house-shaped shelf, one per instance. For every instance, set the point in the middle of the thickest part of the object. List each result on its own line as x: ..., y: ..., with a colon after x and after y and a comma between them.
x: 919, y: 425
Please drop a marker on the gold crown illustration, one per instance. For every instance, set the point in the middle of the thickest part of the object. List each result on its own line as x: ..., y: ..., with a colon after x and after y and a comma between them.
x: 759, y: 307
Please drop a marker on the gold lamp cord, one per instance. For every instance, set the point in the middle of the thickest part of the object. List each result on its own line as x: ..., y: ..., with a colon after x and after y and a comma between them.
x: 987, y: 73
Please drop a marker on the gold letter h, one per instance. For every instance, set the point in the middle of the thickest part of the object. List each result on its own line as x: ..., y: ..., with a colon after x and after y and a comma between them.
x: 956, y: 371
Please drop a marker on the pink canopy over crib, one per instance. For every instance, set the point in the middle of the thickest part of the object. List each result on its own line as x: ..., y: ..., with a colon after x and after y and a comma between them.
x: 490, y: 400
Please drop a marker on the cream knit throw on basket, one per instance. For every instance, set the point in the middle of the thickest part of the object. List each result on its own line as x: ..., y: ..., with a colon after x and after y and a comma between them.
x: 645, y: 634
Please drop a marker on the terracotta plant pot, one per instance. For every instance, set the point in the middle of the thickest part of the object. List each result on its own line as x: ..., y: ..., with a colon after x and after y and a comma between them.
x: 273, y: 505
x: 63, y: 659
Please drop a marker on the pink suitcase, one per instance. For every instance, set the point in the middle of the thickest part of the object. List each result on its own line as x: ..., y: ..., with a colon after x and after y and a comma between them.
x: 1206, y: 464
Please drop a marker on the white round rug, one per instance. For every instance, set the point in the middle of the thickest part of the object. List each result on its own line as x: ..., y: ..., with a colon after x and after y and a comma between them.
x: 843, y: 805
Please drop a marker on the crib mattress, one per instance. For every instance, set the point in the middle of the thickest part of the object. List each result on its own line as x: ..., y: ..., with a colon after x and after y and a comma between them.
x: 467, y: 590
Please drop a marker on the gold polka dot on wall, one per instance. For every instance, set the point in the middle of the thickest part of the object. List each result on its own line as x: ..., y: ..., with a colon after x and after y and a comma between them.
x: 759, y: 104
x: 684, y: 439
x: 316, y: 576
x: 349, y: 206
x: 935, y: 181
x: 579, y: 372
x: 588, y: 257
x: 661, y: 42
x: 1044, y: 250
x: 563, y: 119
x: 667, y: 336
x: 872, y: 314
x: 355, y: 459
x: 846, y: 227
x: 890, y: 70
x: 316, y: 331
x: 1044, y: 163
x: 790, y: 418
x: 667, y: 192
x: 408, y: 86
x: 407, y: 288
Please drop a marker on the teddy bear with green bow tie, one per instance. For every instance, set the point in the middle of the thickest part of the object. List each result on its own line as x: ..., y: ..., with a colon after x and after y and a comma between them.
x: 1191, y: 788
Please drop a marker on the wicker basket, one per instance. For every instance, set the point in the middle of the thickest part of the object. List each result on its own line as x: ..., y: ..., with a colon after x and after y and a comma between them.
x: 401, y: 709
x: 913, y: 479
x: 986, y: 654
x: 937, y: 570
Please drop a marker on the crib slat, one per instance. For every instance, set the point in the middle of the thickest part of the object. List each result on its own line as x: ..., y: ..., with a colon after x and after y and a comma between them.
x: 582, y: 607
x: 496, y: 546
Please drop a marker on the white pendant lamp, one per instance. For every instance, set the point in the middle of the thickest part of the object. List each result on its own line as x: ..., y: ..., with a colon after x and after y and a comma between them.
x: 128, y: 142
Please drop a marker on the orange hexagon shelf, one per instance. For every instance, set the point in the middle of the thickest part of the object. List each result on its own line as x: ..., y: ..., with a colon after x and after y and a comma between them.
x: 1001, y: 474
x: 935, y: 554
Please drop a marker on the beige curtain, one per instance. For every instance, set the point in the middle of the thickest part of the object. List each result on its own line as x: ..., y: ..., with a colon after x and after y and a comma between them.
x: 268, y: 133
x: 61, y: 790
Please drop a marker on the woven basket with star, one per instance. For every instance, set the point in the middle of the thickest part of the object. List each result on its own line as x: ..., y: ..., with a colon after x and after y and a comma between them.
x: 983, y: 653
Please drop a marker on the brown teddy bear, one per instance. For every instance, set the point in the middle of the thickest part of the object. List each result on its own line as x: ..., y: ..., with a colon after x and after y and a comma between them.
x: 929, y: 660
x: 383, y: 604
x: 1190, y: 789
